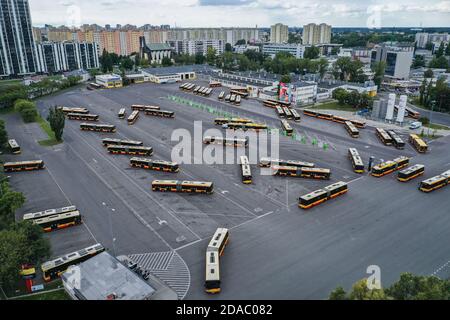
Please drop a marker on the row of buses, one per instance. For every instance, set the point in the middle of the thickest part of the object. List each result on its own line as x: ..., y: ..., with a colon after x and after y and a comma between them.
x: 301, y: 172
x: 203, y: 91
x: 215, y: 250
x: 55, y: 219
x: 231, y: 98
x: 273, y: 103
x: 290, y: 114
x: 331, y: 117
x: 390, y: 138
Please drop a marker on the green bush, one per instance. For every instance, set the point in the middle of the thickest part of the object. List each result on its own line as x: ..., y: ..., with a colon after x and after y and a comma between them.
x: 29, y: 115
x: 425, y: 121
x: 23, y: 104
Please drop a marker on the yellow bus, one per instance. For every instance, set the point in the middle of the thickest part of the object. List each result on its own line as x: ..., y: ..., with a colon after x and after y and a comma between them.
x: 311, y: 173
x: 130, y: 150
x: 246, y: 170
x: 357, y: 163
x: 390, y: 166
x: 418, y: 143
x: 183, y: 186
x: 107, y: 128
x: 59, y: 221
x: 384, y: 136
x: 286, y: 127
x: 215, y: 250
x: 320, y: 196
x: 23, y: 166
x: 435, y: 183
x: 411, y: 173
x: 134, y: 116
x: 14, y: 146
x: 157, y: 165
x: 268, y: 162
x: 83, y: 117
x: 351, y: 129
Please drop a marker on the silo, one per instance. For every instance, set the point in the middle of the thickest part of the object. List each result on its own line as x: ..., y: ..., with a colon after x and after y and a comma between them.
x: 390, y: 107
x: 402, y: 109
x: 383, y: 109
x: 376, y: 109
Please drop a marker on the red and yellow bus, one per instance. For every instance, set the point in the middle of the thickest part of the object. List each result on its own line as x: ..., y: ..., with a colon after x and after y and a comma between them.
x: 390, y: 166
x: 320, y: 196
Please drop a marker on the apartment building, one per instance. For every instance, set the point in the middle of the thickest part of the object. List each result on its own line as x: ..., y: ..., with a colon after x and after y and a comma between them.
x: 314, y: 34
x: 279, y: 33
x: 297, y: 50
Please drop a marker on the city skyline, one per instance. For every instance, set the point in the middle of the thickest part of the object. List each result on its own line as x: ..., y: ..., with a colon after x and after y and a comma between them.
x: 209, y: 13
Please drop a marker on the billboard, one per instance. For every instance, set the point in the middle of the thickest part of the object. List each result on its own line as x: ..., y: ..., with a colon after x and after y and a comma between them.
x: 285, y: 92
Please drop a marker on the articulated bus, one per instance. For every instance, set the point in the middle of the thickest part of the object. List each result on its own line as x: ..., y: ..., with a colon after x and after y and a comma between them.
x: 157, y: 165
x: 238, y: 100
x: 271, y: 104
x: 53, y: 269
x: 310, y: 113
x: 236, y: 142
x: 351, y: 129
x: 325, y: 116
x: 222, y: 121
x: 134, y: 116
x: 183, y: 86
x: 310, y: 173
x: 24, y: 166
x: 82, y: 117
x: 47, y: 213
x: 59, y: 221
x: 317, y: 197
x: 411, y: 173
x: 131, y: 150
x: 390, y: 166
x: 197, y: 90
x: 222, y: 95
x: 357, y: 163
x: 208, y: 92
x: 228, y: 98
x: 418, y: 143
x: 286, y: 127
x: 268, y: 162
x: 296, y: 115
x: 340, y: 119
x: 215, y: 250
x: 119, y: 142
x: 160, y: 113
x: 241, y: 94
x: 410, y: 112
x: 122, y: 113
x: 245, y: 126
x: 214, y: 84
x: 98, y: 127
x: 287, y: 113
x: 67, y: 110
x: 280, y: 111
x: 396, y: 140
x: 359, y: 124
x: 281, y: 103
x: 233, y: 98
x: 183, y: 186
x: 140, y: 107
x: 246, y: 171
x: 383, y: 136
x: 14, y: 146
x: 435, y: 183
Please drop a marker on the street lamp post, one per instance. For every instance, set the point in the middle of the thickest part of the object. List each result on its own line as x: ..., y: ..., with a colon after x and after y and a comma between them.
x: 111, y: 226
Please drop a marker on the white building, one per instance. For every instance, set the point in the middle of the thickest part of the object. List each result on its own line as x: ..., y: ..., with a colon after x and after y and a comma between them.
x: 297, y: 50
x: 305, y: 93
x: 109, y: 81
x: 241, y: 49
x: 228, y: 35
x: 193, y: 47
x: 398, y: 59
x: 279, y: 33
x: 422, y: 38
x: 169, y: 74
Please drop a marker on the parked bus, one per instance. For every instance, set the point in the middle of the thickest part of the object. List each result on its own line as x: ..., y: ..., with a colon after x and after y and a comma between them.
x: 268, y: 162
x: 246, y: 170
x: 418, y: 143
x: 238, y: 100
x: 228, y: 98
x: 215, y: 250
x: 355, y: 158
x: 160, y: 113
x: 296, y: 115
x: 233, y: 98
x: 410, y: 112
x: 23, y: 166
x: 98, y: 127
x: 54, y: 268
x: 47, y: 213
x: 411, y: 173
x: 67, y: 110
x: 214, y: 84
x: 390, y: 166
x: 286, y: 127
x: 310, y: 113
x: 122, y: 113
x: 183, y: 186
x: 281, y: 103
x: 14, y: 146
x: 241, y: 94
x: 83, y: 117
x: 120, y: 142
x: 222, y: 121
x: 236, y: 142
x: 93, y: 86
x: 340, y: 119
x: 58, y: 221
x: 222, y: 95
x: 208, y: 92
x: 359, y: 124
x: 396, y: 140
x: 197, y: 90
x: 324, y: 116
x: 157, y: 165
x: 134, y: 116
x: 384, y: 136
x: 245, y: 126
x: 140, y: 107
x: 320, y: 196
x: 280, y: 111
x: 435, y: 183
x: 311, y: 173
x: 271, y: 104
x: 287, y: 113
x: 351, y: 129
x: 131, y: 150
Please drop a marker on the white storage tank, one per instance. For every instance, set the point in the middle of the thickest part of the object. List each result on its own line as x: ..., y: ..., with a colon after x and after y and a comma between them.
x: 390, y: 107
x: 402, y: 109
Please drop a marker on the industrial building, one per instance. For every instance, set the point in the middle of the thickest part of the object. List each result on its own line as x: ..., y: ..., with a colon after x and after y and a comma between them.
x: 297, y: 50
x: 109, y: 81
x: 398, y: 58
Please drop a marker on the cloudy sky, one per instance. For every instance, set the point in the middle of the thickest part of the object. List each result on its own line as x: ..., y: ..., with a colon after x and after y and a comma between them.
x: 248, y: 13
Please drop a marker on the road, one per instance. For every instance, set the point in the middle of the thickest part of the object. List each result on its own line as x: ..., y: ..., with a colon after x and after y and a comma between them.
x: 277, y: 251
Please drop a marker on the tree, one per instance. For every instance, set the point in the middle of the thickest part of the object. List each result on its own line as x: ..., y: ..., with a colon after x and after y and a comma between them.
x: 422, y: 90
x: 57, y: 120
x: 127, y: 64
x: 211, y: 56
x: 241, y: 42
x: 322, y: 66
x: 447, y: 49
x: 429, y: 46
x: 137, y: 62
x: 419, y: 61
x: 3, y: 133
x: 27, y: 109
x: 311, y: 53
x: 166, y: 62
x: 199, y: 58
x: 243, y: 62
x: 412, y: 287
x: 428, y: 73
x: 439, y: 63
x: 106, y: 60
x: 10, y: 201
x: 10, y: 94
x: 338, y: 294
x: 286, y: 78
x: 340, y: 95
x: 379, y: 68
x: 440, y: 51
x: 228, y: 47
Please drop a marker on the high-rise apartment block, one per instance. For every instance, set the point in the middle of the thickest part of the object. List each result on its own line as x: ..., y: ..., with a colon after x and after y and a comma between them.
x: 316, y: 34
x: 279, y: 33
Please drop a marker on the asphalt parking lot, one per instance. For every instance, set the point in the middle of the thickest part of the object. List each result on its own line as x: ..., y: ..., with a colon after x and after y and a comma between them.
x: 277, y: 251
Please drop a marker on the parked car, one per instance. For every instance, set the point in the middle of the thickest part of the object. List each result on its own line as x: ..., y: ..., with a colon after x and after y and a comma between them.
x: 415, y: 125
